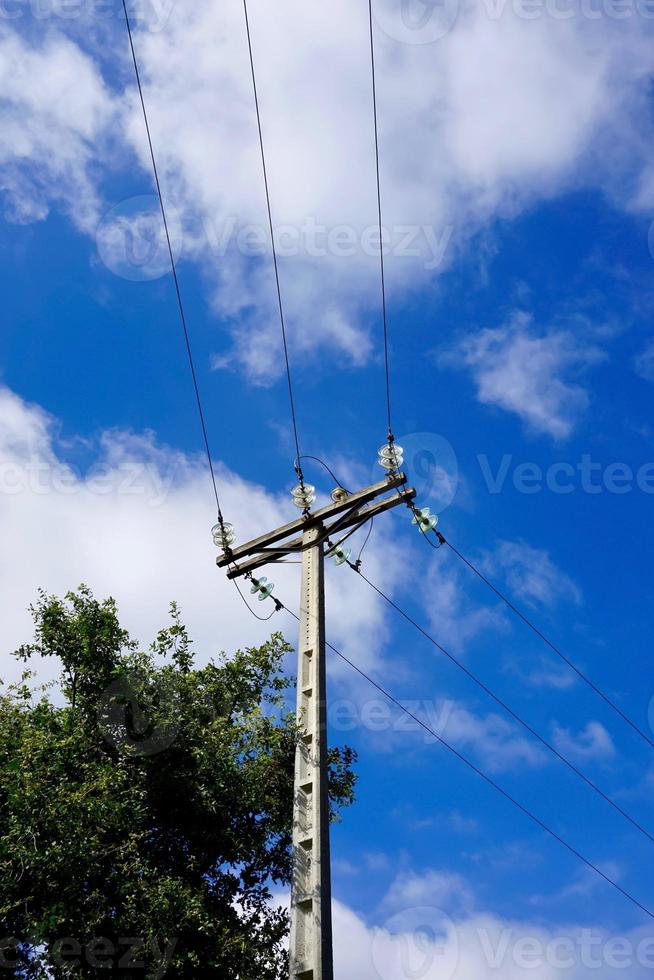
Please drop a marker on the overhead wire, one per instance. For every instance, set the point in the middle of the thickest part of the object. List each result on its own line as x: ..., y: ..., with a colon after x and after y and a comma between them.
x: 282, y: 319
x: 317, y: 459
x: 178, y: 293
x: 262, y: 619
x: 278, y: 604
x: 173, y: 266
x: 391, y: 437
x: 505, y: 707
x: 559, y: 653
x: 488, y: 779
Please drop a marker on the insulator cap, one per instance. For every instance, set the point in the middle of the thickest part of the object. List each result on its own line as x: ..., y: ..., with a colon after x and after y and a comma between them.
x: 340, y: 555
x: 425, y: 520
x: 391, y: 456
x: 263, y: 587
x: 303, y: 495
x: 223, y: 535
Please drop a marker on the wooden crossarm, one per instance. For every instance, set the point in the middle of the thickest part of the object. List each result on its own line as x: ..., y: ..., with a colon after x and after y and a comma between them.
x: 358, y: 517
x: 311, y: 520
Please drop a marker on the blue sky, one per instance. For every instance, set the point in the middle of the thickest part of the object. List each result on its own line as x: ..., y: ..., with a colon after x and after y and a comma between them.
x: 516, y: 166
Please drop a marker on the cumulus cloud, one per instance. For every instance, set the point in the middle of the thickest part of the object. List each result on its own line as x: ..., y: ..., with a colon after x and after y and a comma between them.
x: 55, y: 116
x: 427, y: 926
x: 500, y: 112
x: 531, y: 574
x: 456, y: 619
x: 136, y: 525
x: 592, y: 744
x: 496, y: 742
x: 440, y: 889
x: 424, y: 942
x: 532, y: 374
x: 645, y: 362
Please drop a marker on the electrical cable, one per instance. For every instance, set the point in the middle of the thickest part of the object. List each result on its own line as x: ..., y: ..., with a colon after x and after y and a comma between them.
x: 367, y: 539
x: 584, y: 677
x: 391, y: 437
x: 317, y: 459
x: 274, y: 249
x: 262, y: 619
x: 488, y: 779
x: 513, y: 714
x: 173, y: 266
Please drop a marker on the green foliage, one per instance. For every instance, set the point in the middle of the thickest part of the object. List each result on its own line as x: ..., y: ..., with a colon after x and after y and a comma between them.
x: 145, y: 821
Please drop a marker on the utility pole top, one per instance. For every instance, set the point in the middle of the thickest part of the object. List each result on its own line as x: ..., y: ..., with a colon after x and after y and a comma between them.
x: 351, y: 512
x: 311, y: 951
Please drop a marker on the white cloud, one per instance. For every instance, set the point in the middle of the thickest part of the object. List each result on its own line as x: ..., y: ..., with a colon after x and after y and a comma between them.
x: 592, y: 744
x: 137, y: 526
x: 645, y: 362
x: 55, y: 117
x: 497, y: 742
x: 456, y: 620
x: 439, y: 889
x: 530, y: 373
x: 531, y: 574
x: 501, y: 112
x: 545, y: 674
x: 427, y: 927
x: 422, y: 942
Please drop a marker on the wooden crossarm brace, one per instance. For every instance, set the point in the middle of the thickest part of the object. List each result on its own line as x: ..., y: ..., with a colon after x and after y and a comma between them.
x: 354, y: 519
x: 302, y: 524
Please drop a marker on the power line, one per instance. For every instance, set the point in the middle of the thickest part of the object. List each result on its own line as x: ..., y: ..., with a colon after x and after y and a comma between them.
x: 274, y: 249
x: 379, y: 212
x: 487, y: 690
x: 262, y: 619
x: 317, y: 459
x: 488, y: 779
x: 584, y: 677
x: 173, y: 266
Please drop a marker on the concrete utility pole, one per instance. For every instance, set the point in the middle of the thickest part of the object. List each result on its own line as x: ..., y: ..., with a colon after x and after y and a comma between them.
x: 311, y: 954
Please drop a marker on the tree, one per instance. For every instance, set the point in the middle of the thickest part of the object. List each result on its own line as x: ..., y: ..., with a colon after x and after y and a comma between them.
x: 146, y: 822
